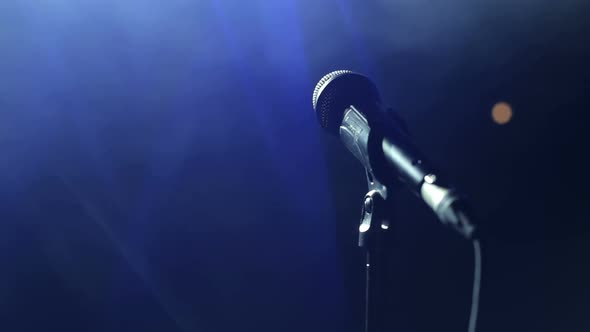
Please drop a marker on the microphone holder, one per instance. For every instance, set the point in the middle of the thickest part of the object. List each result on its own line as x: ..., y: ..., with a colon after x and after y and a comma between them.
x: 374, y: 224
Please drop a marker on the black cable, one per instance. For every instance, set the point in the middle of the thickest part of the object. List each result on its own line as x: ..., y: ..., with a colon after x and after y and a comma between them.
x: 476, y: 286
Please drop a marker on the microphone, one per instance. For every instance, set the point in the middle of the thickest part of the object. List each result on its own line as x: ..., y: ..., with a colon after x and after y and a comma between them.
x: 348, y: 104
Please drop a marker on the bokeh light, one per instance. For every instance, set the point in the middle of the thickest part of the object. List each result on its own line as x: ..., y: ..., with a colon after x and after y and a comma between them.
x: 502, y: 113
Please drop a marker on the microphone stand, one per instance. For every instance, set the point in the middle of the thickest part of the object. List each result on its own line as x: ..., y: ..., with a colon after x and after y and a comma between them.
x: 373, y: 226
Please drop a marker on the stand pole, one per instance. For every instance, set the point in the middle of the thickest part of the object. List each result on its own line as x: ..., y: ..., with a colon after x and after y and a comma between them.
x: 373, y: 224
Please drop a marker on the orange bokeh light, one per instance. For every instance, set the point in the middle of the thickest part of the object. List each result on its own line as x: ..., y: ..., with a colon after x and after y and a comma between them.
x: 502, y: 113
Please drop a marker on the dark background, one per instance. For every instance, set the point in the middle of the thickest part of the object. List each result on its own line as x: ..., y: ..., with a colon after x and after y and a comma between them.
x: 162, y: 168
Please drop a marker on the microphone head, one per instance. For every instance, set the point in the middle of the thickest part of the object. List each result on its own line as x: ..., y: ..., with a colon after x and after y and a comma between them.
x: 337, y: 91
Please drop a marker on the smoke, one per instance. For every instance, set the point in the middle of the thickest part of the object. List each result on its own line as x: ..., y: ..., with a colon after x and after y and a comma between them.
x: 181, y: 51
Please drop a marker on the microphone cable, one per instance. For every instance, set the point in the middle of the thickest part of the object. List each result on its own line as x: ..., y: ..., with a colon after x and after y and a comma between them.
x: 476, y: 286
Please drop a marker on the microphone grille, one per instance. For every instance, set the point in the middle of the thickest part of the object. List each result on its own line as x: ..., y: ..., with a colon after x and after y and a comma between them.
x: 324, y: 82
x: 338, y: 90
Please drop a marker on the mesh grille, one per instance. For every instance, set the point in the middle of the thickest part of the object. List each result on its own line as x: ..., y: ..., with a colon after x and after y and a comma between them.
x: 337, y: 91
x: 325, y: 106
x: 322, y: 83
